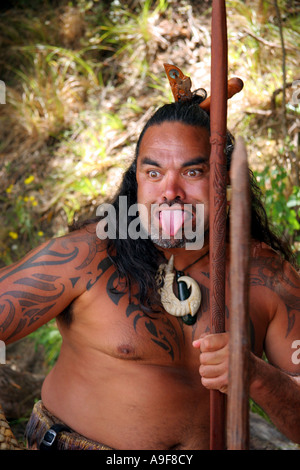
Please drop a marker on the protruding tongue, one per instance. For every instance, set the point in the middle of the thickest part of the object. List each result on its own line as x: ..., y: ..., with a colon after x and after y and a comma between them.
x: 171, y: 221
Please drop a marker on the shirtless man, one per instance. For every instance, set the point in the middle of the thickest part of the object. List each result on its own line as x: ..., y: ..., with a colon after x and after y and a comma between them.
x: 129, y: 375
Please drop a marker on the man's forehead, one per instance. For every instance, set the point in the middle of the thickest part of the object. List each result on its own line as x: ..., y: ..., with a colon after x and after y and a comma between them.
x: 170, y: 136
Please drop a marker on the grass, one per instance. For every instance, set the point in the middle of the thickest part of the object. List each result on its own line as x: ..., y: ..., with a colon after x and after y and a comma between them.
x: 57, y: 103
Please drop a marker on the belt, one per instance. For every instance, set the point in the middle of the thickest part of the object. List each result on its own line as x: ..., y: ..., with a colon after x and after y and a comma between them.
x: 49, y: 441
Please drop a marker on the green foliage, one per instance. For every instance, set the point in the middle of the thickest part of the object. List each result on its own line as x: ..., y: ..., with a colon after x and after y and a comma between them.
x: 282, y: 203
x: 49, y: 337
x: 255, y: 408
x: 21, y: 221
x: 283, y: 210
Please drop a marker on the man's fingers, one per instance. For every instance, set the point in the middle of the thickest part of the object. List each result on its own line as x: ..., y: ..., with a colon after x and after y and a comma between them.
x: 214, y: 342
x: 213, y: 357
x: 211, y: 371
x: 216, y: 383
x: 196, y: 343
x: 214, y: 352
x: 211, y: 342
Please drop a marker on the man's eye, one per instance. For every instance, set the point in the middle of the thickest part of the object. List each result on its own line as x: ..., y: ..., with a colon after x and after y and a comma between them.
x: 153, y: 174
x: 193, y: 172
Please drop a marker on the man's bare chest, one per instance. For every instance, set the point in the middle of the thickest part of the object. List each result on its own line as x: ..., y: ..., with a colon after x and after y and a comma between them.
x: 114, y: 322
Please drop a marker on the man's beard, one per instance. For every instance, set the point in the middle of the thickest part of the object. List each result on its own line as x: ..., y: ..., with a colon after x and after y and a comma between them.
x: 163, y: 242
x: 156, y: 236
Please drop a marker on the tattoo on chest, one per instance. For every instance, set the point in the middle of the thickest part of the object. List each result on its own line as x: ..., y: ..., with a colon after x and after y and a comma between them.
x: 164, y: 331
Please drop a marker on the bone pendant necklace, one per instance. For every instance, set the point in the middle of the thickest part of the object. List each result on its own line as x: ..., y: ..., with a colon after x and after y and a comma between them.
x: 187, y: 303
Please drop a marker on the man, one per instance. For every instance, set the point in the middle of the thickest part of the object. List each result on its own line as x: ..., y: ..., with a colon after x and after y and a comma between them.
x: 130, y: 375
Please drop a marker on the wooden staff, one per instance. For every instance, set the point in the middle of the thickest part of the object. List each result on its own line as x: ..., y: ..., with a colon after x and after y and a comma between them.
x: 238, y: 387
x: 217, y: 210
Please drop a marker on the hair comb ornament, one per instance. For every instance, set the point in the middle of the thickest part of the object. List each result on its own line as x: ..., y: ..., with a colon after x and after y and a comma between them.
x: 181, y: 87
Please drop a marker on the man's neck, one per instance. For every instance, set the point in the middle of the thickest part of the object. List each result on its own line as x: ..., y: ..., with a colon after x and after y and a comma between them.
x: 184, y: 258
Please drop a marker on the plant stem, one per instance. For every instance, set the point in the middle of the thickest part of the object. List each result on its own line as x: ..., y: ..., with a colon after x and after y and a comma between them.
x: 283, y: 70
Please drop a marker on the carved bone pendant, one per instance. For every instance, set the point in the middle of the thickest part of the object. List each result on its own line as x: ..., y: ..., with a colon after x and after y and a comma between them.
x: 172, y: 305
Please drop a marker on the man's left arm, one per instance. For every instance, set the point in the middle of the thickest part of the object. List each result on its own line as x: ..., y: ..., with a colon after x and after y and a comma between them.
x: 274, y: 385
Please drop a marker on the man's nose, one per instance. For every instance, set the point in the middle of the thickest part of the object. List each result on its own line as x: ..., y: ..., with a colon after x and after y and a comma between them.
x: 173, y: 188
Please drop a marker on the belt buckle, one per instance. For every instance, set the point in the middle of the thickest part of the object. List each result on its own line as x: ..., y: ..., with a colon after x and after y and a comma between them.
x: 49, y: 438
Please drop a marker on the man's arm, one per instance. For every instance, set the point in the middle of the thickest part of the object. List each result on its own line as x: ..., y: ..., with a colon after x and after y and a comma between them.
x: 41, y: 285
x: 278, y: 393
x: 274, y: 385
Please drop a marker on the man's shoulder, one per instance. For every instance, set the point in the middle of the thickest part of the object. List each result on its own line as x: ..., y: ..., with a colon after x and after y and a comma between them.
x: 84, y: 241
x: 85, y: 233
x: 265, y: 260
x: 263, y: 252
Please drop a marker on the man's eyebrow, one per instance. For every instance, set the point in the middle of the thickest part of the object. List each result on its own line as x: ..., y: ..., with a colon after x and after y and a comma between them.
x: 196, y: 161
x: 149, y: 161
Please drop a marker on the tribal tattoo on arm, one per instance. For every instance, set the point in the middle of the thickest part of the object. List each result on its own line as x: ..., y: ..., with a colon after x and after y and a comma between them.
x: 38, y: 287
x: 270, y: 273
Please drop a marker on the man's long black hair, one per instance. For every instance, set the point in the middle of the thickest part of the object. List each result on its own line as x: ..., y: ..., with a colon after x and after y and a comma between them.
x: 137, y: 261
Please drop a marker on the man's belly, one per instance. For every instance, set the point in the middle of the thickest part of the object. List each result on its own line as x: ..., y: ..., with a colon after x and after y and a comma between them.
x: 128, y: 404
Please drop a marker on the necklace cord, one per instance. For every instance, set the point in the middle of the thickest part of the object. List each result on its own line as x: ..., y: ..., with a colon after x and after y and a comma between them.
x: 194, y: 262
